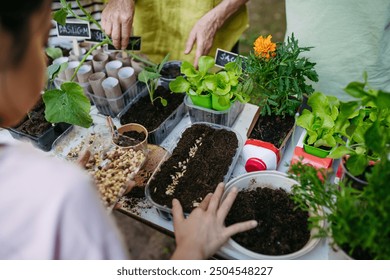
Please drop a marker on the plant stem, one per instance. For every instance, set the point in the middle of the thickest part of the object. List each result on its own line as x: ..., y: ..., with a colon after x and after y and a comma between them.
x: 105, y: 41
x: 140, y: 58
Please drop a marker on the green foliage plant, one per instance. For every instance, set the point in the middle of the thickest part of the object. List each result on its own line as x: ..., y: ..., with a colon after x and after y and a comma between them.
x: 368, y: 132
x: 69, y: 103
x: 225, y: 84
x: 356, y: 221
x: 320, y: 121
x: 150, y: 76
x: 279, y: 75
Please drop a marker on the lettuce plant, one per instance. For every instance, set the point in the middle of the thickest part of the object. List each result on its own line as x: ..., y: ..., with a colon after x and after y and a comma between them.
x: 323, y: 123
x: 224, y: 84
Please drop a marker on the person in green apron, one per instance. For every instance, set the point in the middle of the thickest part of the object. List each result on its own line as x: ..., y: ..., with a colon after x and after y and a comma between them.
x: 184, y: 29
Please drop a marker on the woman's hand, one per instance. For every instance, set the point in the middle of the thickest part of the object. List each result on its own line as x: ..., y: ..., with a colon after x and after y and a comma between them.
x: 117, y: 21
x: 203, y: 232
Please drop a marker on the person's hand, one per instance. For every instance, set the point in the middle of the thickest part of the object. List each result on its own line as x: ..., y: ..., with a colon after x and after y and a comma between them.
x: 203, y: 232
x: 203, y: 34
x: 117, y: 20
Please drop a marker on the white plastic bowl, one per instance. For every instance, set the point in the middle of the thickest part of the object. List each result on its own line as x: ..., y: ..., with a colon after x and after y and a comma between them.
x: 270, y: 179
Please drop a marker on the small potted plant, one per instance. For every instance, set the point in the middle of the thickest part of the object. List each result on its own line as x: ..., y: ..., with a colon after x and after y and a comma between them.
x: 368, y: 132
x: 357, y: 222
x: 280, y: 78
x: 323, y: 125
x: 213, y: 93
x: 155, y: 107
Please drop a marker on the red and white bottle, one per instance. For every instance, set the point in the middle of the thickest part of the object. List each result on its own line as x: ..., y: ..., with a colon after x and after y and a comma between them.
x: 259, y: 155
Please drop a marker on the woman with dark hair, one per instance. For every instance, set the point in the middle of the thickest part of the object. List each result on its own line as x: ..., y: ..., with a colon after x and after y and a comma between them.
x: 49, y: 209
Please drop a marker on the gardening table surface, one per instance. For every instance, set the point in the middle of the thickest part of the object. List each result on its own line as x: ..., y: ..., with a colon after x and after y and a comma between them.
x: 149, y: 215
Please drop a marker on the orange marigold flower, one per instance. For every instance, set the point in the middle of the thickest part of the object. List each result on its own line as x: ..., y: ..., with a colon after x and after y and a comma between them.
x: 263, y: 47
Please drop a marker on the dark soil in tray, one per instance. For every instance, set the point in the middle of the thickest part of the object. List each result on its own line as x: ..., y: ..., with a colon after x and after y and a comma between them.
x: 171, y: 72
x: 151, y: 116
x: 189, y: 176
x: 34, y: 123
x: 281, y: 229
x: 273, y: 129
x: 129, y: 138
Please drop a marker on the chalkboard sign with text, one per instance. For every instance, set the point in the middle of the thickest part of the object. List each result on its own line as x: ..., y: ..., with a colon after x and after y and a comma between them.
x: 74, y: 30
x: 134, y: 44
x: 96, y: 36
x: 223, y: 57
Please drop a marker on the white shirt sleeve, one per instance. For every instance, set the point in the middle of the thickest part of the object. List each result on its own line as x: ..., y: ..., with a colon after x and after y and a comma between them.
x: 50, y: 209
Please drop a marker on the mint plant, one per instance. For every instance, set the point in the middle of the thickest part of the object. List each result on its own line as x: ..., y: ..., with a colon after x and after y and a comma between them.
x: 369, y: 131
x: 357, y: 221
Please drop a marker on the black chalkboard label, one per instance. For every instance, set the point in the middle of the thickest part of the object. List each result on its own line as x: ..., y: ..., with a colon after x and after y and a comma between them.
x: 74, y: 30
x: 96, y: 36
x: 134, y: 44
x: 223, y: 57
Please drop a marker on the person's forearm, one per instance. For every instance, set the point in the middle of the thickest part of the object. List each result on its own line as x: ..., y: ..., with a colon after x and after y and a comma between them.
x: 225, y: 9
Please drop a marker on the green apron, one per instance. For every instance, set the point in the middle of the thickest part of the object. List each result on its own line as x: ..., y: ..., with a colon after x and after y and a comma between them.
x: 164, y: 27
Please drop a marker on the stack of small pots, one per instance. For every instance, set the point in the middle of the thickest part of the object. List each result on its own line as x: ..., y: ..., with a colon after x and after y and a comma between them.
x: 106, y: 77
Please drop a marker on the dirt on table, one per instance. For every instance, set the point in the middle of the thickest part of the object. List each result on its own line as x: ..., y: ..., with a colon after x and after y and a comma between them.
x: 281, y: 228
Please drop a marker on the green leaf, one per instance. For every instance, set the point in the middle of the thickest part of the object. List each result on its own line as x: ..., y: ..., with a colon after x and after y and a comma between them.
x: 68, y: 104
x: 373, y: 138
x: 179, y: 85
x: 356, y: 164
x: 306, y: 119
x: 145, y: 76
x: 164, y: 102
x: 347, y: 109
x: 383, y: 101
x: 318, y: 101
x: 340, y: 151
x: 210, y: 83
x: 53, y: 52
x: 52, y: 70
x: 356, y: 89
x: 60, y: 16
x: 188, y: 70
x: 161, y: 65
x: 205, y: 64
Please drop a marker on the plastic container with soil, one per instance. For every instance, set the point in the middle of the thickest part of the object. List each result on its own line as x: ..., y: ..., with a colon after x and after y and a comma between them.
x: 200, y: 114
x: 283, y: 231
x: 175, y: 111
x: 203, y: 155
